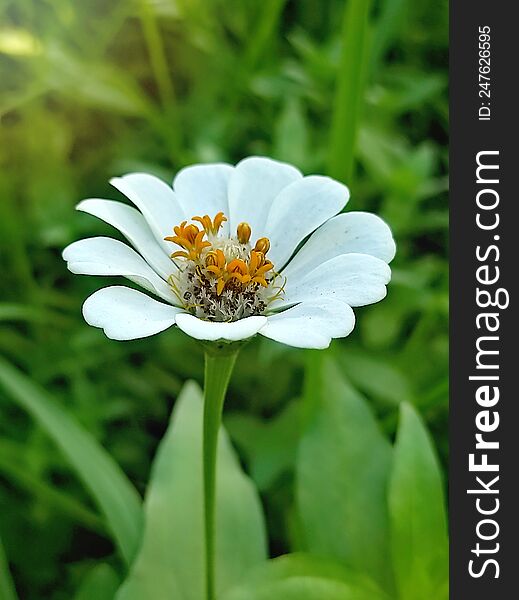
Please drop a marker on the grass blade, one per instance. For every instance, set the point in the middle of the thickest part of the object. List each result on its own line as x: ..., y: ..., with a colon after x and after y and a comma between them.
x: 263, y: 32
x: 349, y: 89
x: 118, y: 500
x: 21, y: 476
x: 392, y: 14
x: 7, y: 589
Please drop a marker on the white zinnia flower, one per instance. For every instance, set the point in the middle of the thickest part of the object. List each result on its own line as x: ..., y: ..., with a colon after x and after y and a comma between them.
x: 268, y: 253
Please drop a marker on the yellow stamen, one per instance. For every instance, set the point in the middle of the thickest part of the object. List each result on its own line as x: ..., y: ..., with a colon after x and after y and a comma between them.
x: 244, y: 232
x: 211, y: 226
x: 239, y: 270
x: 215, y: 262
x: 190, y: 238
x: 219, y: 286
x: 262, y: 245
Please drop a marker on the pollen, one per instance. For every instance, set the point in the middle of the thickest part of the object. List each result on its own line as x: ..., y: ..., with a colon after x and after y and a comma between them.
x: 221, y: 277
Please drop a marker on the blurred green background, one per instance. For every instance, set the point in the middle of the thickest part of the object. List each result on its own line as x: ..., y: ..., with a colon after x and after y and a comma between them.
x: 96, y: 88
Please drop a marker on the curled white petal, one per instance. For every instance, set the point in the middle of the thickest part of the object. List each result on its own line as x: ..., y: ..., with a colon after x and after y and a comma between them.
x: 358, y: 232
x: 202, y: 190
x: 106, y: 256
x: 126, y: 314
x: 311, y: 324
x: 356, y: 279
x: 213, y: 331
x: 253, y: 186
x: 156, y: 201
x: 133, y: 226
x: 300, y: 209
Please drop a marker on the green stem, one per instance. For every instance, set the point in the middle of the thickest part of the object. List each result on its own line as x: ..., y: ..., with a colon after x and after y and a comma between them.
x: 218, y: 369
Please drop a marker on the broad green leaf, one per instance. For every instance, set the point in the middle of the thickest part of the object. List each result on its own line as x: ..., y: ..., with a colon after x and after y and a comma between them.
x: 7, y: 589
x: 417, y: 513
x: 171, y: 560
x: 342, y: 473
x: 375, y: 377
x: 116, y: 497
x: 101, y: 583
x: 303, y: 577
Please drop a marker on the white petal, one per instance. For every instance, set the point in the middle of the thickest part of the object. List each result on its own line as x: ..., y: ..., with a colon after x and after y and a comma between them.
x: 202, y: 190
x: 133, y: 226
x: 106, y: 256
x: 212, y: 331
x: 156, y: 201
x: 311, y: 324
x: 126, y: 314
x: 254, y: 185
x: 359, y: 232
x: 356, y: 279
x: 299, y: 210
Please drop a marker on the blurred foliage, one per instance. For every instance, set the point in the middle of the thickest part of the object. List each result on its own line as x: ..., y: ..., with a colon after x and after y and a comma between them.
x: 93, y: 89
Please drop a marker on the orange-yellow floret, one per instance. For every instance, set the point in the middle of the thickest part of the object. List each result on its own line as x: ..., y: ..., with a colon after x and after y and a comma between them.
x: 251, y: 271
x: 259, y: 266
x: 213, y: 264
x: 190, y: 238
x: 239, y: 270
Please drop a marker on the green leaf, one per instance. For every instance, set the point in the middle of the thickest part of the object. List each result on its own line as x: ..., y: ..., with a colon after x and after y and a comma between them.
x: 101, y: 583
x: 342, y: 474
x: 303, y: 577
x: 417, y: 513
x: 117, y: 498
x: 171, y: 561
x: 374, y: 376
x: 7, y: 589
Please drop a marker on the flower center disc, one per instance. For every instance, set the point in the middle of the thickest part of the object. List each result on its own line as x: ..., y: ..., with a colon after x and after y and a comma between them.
x: 222, y: 278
